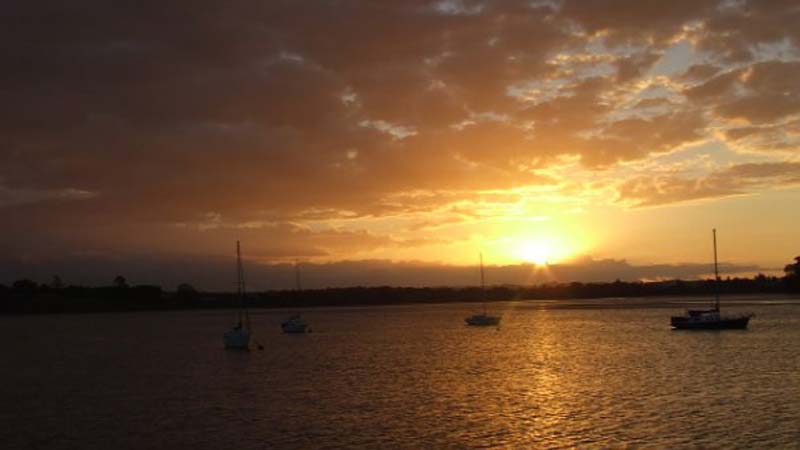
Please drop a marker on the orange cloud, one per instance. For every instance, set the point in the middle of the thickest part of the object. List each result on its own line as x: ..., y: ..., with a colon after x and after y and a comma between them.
x: 118, y: 124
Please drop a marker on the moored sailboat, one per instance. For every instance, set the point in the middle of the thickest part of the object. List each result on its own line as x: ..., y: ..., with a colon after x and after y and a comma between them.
x: 238, y: 337
x: 711, y: 319
x: 483, y: 319
x: 295, y: 324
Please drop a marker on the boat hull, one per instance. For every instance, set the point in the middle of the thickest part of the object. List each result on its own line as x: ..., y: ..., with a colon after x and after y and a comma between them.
x: 294, y: 328
x: 295, y: 325
x: 722, y: 323
x: 482, y: 321
x: 237, y: 339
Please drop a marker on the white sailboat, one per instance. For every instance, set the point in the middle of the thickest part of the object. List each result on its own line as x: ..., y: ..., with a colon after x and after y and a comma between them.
x: 238, y: 337
x: 295, y: 324
x: 483, y: 319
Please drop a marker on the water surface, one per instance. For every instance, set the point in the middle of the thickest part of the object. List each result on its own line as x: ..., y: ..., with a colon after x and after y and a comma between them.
x: 554, y: 375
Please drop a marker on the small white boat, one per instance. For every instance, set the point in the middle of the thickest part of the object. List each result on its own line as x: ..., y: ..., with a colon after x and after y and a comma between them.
x: 295, y: 324
x: 483, y: 319
x: 238, y: 337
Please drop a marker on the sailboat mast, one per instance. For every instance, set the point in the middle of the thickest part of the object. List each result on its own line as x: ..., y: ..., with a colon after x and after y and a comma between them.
x: 240, y: 287
x: 483, y: 286
x: 716, y: 272
x: 239, y: 283
x: 297, y: 275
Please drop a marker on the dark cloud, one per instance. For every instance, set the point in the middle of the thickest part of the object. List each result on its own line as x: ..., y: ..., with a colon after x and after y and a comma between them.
x: 699, y: 72
x: 654, y: 103
x: 119, y: 121
x: 780, y: 136
x: 632, y: 67
x: 735, y: 180
x: 627, y: 21
x: 737, y: 29
x: 771, y: 92
x: 714, y: 88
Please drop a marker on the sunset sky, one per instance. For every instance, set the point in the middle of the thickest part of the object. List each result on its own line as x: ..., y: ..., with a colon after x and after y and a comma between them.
x: 385, y: 142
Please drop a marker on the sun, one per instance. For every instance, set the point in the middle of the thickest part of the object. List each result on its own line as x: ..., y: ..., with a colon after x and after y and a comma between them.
x: 539, y: 252
x: 539, y: 244
x: 542, y: 250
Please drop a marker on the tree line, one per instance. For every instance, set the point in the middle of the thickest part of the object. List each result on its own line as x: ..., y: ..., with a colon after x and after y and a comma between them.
x: 27, y: 296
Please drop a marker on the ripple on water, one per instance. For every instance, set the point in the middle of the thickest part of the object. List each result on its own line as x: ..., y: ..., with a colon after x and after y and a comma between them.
x: 402, y: 377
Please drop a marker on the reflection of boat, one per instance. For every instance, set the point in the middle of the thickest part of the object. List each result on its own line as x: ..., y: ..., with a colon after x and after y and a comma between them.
x: 295, y: 322
x: 711, y: 319
x: 239, y: 336
x: 483, y: 319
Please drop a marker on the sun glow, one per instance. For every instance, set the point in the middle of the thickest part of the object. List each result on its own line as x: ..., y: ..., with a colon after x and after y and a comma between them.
x: 538, y: 252
x: 543, y: 250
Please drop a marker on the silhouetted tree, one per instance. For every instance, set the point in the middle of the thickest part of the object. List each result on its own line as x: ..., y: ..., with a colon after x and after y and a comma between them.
x: 185, y: 294
x: 24, y: 289
x: 120, y: 281
x: 24, y: 285
x: 57, y: 283
x: 792, y: 272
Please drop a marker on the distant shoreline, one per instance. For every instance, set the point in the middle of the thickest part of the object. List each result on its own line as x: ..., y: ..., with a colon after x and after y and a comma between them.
x: 29, y: 298
x: 605, y: 303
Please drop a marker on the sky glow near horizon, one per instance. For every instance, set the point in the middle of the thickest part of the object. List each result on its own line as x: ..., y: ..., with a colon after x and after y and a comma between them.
x: 547, y: 132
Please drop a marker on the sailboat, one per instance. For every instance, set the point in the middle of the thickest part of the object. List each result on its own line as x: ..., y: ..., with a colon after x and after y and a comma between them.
x: 238, y: 337
x: 483, y: 319
x: 711, y: 319
x: 295, y: 323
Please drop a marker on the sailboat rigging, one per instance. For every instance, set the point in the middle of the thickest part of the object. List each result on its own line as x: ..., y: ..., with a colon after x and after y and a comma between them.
x: 239, y: 336
x: 295, y: 324
x: 482, y: 319
x: 711, y: 319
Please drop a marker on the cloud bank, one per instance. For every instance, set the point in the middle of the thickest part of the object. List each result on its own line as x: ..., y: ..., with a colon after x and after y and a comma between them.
x: 172, y: 130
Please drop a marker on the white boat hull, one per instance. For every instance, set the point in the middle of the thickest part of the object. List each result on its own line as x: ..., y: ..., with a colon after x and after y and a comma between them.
x: 237, y: 339
x: 294, y: 325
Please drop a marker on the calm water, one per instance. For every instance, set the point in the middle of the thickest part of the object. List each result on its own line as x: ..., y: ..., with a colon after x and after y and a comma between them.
x: 402, y: 377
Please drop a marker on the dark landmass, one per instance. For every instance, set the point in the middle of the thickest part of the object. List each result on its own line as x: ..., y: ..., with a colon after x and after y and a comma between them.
x: 28, y: 297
